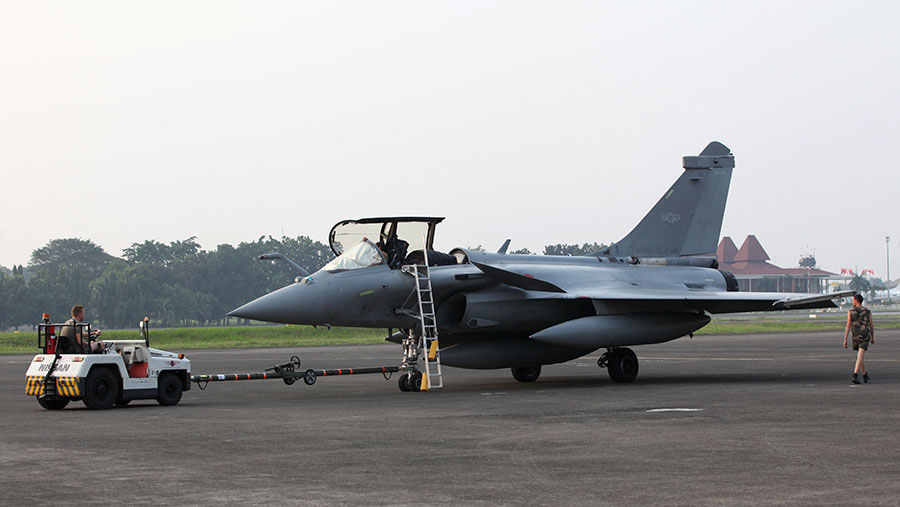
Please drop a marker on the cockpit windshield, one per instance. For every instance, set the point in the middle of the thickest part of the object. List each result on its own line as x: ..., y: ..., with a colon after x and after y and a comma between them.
x: 345, y: 237
x: 361, y: 255
x: 416, y: 233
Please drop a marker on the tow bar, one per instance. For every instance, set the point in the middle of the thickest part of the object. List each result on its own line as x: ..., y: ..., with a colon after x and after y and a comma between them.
x: 290, y: 372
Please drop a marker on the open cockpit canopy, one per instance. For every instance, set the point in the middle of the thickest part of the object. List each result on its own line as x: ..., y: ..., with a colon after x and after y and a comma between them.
x: 360, y: 255
x: 384, y: 231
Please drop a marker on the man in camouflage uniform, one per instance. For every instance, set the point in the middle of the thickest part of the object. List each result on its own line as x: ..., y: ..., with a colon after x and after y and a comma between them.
x: 859, y: 322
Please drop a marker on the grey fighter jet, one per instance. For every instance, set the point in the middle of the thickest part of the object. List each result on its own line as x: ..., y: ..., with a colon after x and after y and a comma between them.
x: 498, y: 310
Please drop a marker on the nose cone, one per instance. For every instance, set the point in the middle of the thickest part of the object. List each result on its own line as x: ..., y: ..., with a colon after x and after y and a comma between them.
x: 288, y: 305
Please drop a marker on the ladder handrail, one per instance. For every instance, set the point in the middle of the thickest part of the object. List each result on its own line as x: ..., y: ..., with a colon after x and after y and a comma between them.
x: 433, y: 371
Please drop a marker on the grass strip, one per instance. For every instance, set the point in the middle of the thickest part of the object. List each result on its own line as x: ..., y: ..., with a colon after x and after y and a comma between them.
x: 25, y: 342
x: 782, y: 326
x: 219, y: 338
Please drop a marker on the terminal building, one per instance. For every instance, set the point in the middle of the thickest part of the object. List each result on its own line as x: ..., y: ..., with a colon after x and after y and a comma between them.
x: 754, y: 273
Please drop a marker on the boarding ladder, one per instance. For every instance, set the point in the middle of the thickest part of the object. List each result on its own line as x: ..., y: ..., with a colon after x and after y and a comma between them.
x: 432, y: 375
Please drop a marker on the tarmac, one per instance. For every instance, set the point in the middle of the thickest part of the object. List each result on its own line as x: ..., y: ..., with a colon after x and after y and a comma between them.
x: 751, y: 419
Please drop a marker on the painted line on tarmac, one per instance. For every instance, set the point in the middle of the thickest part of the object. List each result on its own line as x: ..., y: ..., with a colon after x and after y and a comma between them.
x: 654, y: 410
x: 791, y: 359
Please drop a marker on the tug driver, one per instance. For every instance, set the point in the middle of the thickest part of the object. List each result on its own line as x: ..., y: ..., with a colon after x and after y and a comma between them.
x: 70, y: 339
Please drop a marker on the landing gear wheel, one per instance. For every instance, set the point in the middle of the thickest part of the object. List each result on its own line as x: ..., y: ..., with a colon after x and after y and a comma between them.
x: 101, y: 389
x: 527, y: 373
x: 55, y: 404
x: 623, y: 365
x: 403, y: 383
x: 170, y: 389
x: 415, y: 381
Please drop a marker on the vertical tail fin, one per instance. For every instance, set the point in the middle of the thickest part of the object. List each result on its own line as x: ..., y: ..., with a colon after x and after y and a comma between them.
x: 688, y: 218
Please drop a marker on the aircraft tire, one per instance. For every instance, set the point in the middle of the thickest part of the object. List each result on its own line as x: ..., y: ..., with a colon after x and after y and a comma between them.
x: 57, y: 404
x: 403, y: 383
x: 623, y: 365
x: 527, y: 373
x: 415, y: 382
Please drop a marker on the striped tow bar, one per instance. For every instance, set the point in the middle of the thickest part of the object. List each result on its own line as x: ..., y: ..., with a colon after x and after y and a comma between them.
x: 289, y: 373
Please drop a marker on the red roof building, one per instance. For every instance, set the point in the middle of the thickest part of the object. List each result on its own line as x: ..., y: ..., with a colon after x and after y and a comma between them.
x: 754, y: 273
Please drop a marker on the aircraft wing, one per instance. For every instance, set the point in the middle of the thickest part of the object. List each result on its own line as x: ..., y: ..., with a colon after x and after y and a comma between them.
x: 649, y: 297
x: 716, y: 301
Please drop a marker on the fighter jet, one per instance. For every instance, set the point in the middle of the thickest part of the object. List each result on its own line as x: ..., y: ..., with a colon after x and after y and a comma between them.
x: 499, y: 310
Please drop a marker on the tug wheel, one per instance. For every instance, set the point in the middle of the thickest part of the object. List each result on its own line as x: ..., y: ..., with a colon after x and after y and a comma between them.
x: 101, y: 389
x: 57, y: 404
x: 169, y: 390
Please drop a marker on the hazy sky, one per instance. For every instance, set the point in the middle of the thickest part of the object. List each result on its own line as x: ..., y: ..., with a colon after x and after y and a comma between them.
x: 546, y: 122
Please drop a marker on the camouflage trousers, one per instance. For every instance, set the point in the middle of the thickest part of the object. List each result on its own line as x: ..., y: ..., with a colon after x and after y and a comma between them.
x: 861, y: 341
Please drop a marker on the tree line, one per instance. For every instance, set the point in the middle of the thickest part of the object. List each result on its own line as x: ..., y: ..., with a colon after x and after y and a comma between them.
x: 175, y: 284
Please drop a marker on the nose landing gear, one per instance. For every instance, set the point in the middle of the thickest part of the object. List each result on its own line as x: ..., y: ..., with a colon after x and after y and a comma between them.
x: 621, y: 363
x: 411, y: 381
x: 411, y: 378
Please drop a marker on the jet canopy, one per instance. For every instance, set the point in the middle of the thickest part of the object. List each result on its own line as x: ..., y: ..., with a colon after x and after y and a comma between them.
x: 360, y: 255
x: 395, y: 236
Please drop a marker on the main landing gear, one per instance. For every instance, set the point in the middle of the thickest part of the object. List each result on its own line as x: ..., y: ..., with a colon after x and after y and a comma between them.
x: 622, y: 364
x: 527, y: 373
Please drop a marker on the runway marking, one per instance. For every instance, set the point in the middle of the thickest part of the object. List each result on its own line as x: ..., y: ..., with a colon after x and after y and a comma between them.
x: 791, y: 359
x: 675, y: 410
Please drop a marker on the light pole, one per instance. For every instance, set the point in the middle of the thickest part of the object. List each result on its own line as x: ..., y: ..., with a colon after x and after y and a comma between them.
x: 887, y: 242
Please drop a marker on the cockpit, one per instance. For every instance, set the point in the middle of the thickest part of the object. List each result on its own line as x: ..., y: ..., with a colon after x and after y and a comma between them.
x: 360, y: 255
x: 393, y: 241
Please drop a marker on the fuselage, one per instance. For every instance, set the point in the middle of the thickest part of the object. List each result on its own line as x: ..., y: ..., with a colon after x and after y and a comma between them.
x: 485, y: 323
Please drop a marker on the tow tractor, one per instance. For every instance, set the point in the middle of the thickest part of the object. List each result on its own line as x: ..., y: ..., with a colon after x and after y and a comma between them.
x: 127, y: 370
x: 123, y: 371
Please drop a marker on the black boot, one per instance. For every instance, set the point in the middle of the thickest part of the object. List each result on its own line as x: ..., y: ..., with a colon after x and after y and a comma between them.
x: 866, y: 378
x: 855, y: 379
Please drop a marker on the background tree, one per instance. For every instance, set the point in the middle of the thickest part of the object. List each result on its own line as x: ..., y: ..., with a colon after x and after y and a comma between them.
x: 860, y: 284
x: 155, y: 253
x: 176, y: 284
x: 62, y: 272
x: 564, y: 249
x: 125, y: 293
x: 5, y: 313
x: 15, y: 300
